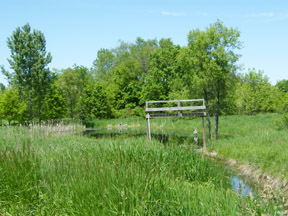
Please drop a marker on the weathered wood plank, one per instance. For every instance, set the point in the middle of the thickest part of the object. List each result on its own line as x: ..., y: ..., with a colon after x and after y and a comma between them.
x: 158, y: 109
x: 175, y: 101
x: 175, y: 108
x: 167, y: 115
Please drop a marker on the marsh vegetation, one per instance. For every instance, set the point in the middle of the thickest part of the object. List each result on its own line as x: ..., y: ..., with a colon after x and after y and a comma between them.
x: 78, y: 175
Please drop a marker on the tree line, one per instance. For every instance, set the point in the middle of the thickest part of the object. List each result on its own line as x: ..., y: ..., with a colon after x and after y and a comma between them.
x: 123, y: 78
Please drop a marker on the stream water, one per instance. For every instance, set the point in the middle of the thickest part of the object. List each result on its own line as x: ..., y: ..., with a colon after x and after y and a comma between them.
x: 238, y: 184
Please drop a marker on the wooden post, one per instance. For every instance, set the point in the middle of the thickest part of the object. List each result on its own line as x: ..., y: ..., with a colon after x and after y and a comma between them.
x: 148, y: 126
x: 204, y: 131
x: 179, y: 112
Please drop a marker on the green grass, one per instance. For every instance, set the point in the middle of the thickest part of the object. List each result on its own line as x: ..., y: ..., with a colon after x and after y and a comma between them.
x: 75, y: 175
x: 248, y: 139
x: 254, y: 140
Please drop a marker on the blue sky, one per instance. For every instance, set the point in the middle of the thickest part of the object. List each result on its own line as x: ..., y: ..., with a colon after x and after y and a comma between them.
x: 76, y: 29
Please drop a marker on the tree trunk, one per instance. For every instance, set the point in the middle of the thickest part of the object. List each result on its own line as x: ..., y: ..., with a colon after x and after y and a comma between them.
x: 209, y: 123
x: 31, y: 107
x: 71, y: 110
x: 216, y: 124
x: 217, y: 112
x: 208, y: 114
x: 39, y: 107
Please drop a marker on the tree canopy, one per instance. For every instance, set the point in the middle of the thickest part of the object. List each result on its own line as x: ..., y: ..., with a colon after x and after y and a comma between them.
x: 122, y: 78
x: 29, y: 60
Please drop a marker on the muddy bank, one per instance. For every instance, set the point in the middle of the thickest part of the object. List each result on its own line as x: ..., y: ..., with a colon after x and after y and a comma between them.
x: 268, y: 186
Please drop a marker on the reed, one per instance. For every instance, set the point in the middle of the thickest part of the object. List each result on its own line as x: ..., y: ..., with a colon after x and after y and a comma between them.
x: 76, y: 175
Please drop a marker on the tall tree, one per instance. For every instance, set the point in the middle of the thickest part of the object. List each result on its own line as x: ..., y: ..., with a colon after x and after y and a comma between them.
x: 214, y: 61
x: 29, y: 60
x: 104, y: 63
x: 71, y: 82
x: 161, y: 73
x: 123, y: 70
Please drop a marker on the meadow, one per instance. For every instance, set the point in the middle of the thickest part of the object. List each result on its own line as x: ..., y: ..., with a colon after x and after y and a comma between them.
x: 250, y: 139
x: 254, y: 146
x: 52, y: 174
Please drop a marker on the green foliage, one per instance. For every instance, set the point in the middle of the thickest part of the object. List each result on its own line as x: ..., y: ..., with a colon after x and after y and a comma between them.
x: 11, y: 107
x: 255, y: 94
x: 161, y: 73
x: 213, y: 64
x: 29, y: 60
x: 72, y: 82
x: 94, y: 102
x: 123, y: 78
x: 282, y: 85
x: 55, y: 104
x: 104, y: 63
x: 2, y: 88
x: 123, y: 71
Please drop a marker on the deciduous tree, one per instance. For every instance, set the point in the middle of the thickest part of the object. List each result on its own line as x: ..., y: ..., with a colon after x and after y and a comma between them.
x: 11, y: 107
x: 71, y: 82
x: 214, y: 59
x: 29, y: 60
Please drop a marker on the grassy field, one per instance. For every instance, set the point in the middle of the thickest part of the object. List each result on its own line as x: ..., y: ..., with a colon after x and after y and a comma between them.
x: 256, y: 145
x: 49, y: 174
x: 247, y: 139
x: 255, y: 140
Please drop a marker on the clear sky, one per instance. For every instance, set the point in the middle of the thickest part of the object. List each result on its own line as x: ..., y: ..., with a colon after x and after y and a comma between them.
x: 76, y: 29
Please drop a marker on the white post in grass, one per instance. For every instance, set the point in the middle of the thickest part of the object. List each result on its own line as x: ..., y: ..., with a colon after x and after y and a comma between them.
x: 148, y: 126
x: 204, y: 132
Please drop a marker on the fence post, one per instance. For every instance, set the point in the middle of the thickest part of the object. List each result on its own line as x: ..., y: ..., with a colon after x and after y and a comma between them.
x: 179, y: 112
x: 148, y: 126
x: 204, y: 131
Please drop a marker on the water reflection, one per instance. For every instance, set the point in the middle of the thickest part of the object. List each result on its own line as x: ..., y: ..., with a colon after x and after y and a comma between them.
x: 240, y: 186
x: 159, y: 135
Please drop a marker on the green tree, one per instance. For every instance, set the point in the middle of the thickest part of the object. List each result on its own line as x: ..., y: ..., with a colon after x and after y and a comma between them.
x: 255, y: 94
x: 214, y: 63
x: 123, y: 70
x: 55, y: 104
x: 104, y: 63
x: 161, y: 75
x: 141, y: 51
x: 124, y: 87
x: 282, y: 85
x: 29, y: 60
x: 72, y: 82
x: 2, y: 88
x: 11, y: 107
x: 94, y: 101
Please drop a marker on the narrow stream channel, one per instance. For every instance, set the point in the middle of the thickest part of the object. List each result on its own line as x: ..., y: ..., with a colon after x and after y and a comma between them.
x: 238, y: 184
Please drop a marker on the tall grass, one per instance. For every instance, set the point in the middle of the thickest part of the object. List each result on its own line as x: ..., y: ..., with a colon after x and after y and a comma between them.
x: 74, y: 175
x: 248, y: 139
